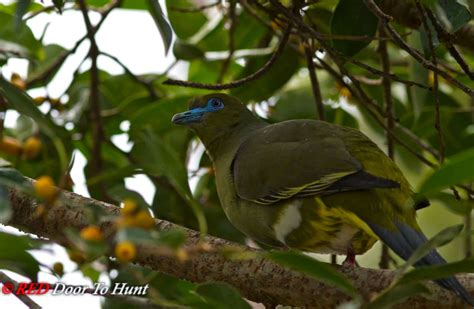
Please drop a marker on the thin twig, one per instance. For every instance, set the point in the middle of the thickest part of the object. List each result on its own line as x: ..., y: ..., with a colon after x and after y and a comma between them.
x: 231, y: 45
x: 447, y: 38
x: 442, y: 144
x: 194, y: 9
x: 385, y: 20
x: 388, y: 100
x: 46, y: 73
x: 145, y: 83
x: 389, y: 75
x: 25, y: 299
x: 314, y: 81
x: 241, y: 81
x: 49, y: 71
x: 94, y: 99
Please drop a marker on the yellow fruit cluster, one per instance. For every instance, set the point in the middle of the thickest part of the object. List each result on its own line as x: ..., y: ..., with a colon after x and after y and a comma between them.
x: 132, y: 216
x: 91, y: 233
x: 45, y: 189
x: 125, y: 251
x: 30, y: 149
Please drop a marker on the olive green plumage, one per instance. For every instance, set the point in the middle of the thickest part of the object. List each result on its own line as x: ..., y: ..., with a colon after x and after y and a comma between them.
x: 307, y: 184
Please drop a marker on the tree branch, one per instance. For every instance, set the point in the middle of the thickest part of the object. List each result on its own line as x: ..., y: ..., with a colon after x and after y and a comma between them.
x: 385, y: 20
x: 388, y: 101
x: 257, y: 279
x: 404, y: 12
x: 13, y: 285
x: 257, y: 74
x: 308, y: 50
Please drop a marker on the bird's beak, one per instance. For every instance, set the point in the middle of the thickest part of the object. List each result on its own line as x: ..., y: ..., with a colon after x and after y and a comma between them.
x: 191, y: 116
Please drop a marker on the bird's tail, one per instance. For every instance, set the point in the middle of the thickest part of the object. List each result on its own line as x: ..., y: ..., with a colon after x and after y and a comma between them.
x: 405, y: 241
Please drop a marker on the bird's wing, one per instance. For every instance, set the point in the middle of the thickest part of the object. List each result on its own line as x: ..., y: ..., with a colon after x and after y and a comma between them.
x: 298, y: 158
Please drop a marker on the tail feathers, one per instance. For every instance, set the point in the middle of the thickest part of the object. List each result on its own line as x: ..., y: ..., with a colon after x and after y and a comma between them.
x: 405, y: 241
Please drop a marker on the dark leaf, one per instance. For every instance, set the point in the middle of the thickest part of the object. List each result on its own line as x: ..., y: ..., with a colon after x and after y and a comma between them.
x: 14, y: 257
x: 161, y: 22
x: 185, y: 25
x: 59, y: 5
x: 352, y: 18
x: 318, y: 270
x: 396, y: 295
x: 21, y: 9
x: 457, y: 169
x: 272, y: 81
x: 23, y: 103
x: 185, y: 51
x: 221, y: 295
x: 457, y: 14
x: 437, y: 272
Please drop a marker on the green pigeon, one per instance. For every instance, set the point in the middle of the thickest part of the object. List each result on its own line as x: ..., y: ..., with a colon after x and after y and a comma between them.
x: 308, y: 185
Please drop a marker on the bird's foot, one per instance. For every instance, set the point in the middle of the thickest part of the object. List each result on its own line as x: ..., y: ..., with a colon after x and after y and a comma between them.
x: 350, y: 260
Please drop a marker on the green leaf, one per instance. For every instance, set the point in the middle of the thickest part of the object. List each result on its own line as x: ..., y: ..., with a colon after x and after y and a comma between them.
x: 22, y: 35
x: 396, y: 295
x: 318, y: 270
x: 457, y: 169
x: 14, y: 257
x: 221, y: 295
x: 23, y: 103
x: 161, y: 22
x: 440, y: 239
x: 272, y: 81
x: 352, y: 18
x: 460, y: 207
x: 37, y: 68
x: 12, y: 178
x: 437, y: 271
x: 298, y: 103
x: 185, y: 51
x: 185, y: 25
x: 457, y: 14
x: 21, y: 9
x: 59, y: 5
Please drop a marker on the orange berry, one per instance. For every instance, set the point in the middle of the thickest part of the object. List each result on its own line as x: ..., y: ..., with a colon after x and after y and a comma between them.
x: 144, y: 220
x: 125, y: 251
x: 129, y: 207
x: 58, y: 268
x: 32, y: 147
x: 91, y: 233
x: 45, y: 189
x: 10, y: 145
x: 17, y: 81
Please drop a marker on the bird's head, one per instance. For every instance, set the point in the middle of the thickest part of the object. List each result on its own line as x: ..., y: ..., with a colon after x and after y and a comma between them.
x: 214, y: 115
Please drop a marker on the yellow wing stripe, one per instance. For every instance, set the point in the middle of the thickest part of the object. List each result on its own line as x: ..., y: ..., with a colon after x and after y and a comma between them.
x: 309, y: 189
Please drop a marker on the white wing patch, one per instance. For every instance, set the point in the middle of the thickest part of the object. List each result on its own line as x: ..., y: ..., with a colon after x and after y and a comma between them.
x: 289, y: 220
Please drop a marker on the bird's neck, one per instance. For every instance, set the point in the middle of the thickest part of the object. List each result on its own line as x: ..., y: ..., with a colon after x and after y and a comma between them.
x: 229, y: 141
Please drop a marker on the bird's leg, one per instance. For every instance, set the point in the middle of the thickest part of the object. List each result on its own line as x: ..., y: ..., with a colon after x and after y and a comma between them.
x: 350, y: 259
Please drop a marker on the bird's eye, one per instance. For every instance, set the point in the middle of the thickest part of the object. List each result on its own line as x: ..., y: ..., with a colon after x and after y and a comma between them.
x: 215, y: 103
